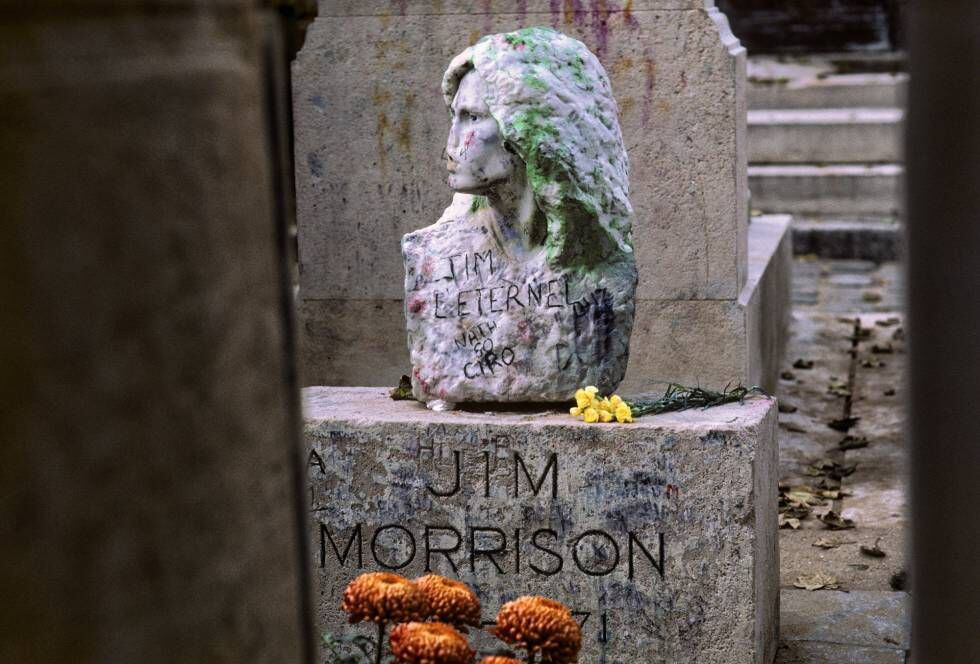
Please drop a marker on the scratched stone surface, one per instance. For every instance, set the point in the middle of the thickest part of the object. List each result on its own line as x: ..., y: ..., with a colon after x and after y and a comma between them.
x: 660, y: 535
x: 371, y: 127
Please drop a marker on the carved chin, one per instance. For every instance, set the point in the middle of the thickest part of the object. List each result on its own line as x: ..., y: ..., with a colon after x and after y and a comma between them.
x: 468, y: 185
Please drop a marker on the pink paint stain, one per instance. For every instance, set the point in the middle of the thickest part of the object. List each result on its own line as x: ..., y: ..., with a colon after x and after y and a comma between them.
x: 555, y: 7
x: 469, y: 139
x: 416, y: 305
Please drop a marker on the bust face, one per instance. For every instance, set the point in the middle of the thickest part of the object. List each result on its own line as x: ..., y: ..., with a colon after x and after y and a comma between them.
x: 476, y: 156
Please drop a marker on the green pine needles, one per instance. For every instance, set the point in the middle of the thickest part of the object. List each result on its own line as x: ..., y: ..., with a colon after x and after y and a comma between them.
x: 679, y: 397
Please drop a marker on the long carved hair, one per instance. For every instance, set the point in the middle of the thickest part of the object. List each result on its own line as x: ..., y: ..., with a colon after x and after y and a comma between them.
x: 553, y: 103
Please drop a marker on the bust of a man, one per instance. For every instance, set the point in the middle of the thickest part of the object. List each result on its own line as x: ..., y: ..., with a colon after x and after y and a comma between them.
x: 524, y: 289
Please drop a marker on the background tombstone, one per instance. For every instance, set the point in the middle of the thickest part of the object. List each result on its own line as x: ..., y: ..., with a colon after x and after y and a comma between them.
x: 149, y: 416
x: 370, y: 129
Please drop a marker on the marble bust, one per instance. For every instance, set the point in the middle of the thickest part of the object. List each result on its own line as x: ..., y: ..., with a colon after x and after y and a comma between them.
x: 524, y: 289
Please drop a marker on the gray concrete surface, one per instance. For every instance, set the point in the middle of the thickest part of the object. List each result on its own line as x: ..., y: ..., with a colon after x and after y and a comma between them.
x: 859, y: 375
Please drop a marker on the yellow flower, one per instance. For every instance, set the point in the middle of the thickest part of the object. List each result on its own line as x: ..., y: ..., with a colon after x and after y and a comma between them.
x: 605, y: 405
x: 624, y: 413
x: 591, y: 415
x: 615, y: 400
x: 575, y: 411
x: 583, y: 399
x: 605, y: 416
x: 592, y: 389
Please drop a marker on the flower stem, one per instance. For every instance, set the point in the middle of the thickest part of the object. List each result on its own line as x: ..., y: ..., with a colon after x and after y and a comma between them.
x: 381, y: 640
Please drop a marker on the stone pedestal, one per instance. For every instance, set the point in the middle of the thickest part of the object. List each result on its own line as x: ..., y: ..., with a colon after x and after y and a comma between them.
x: 660, y: 535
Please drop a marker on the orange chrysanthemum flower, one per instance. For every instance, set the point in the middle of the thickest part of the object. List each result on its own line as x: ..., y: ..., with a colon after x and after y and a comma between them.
x: 499, y: 660
x: 450, y: 601
x: 540, y: 625
x: 429, y: 643
x: 381, y: 597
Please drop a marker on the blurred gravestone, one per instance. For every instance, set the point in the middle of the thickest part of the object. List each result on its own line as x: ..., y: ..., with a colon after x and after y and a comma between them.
x: 149, y: 443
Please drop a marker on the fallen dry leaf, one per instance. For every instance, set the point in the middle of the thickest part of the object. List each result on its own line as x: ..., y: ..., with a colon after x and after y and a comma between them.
x: 843, y: 424
x: 874, y: 551
x: 872, y: 363
x: 888, y: 322
x: 816, y: 581
x: 871, y: 296
x: 835, y: 521
x: 862, y: 334
x: 787, y: 375
x: 825, y: 543
x: 803, y: 497
x: 831, y: 469
x: 883, y: 349
x: 838, y: 388
x: 852, y: 442
x: 790, y: 426
x: 787, y: 408
x: 789, y: 522
x: 803, y: 364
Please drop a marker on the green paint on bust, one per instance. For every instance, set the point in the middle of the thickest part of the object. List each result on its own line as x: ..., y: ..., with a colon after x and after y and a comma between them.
x: 479, y: 203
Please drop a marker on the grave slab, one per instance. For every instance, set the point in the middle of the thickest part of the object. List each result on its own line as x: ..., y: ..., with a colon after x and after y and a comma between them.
x: 660, y: 535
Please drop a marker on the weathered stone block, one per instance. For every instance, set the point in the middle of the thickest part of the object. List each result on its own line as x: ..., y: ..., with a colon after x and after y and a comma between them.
x: 660, y: 535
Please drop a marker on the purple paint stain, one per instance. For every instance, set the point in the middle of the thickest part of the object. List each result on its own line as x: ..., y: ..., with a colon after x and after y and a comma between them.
x: 650, y: 69
x: 600, y: 26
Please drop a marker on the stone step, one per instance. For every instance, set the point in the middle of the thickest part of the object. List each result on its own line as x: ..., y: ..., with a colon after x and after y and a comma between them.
x: 832, y: 91
x: 825, y: 135
x: 840, y: 190
x: 870, y: 239
x: 842, y: 80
